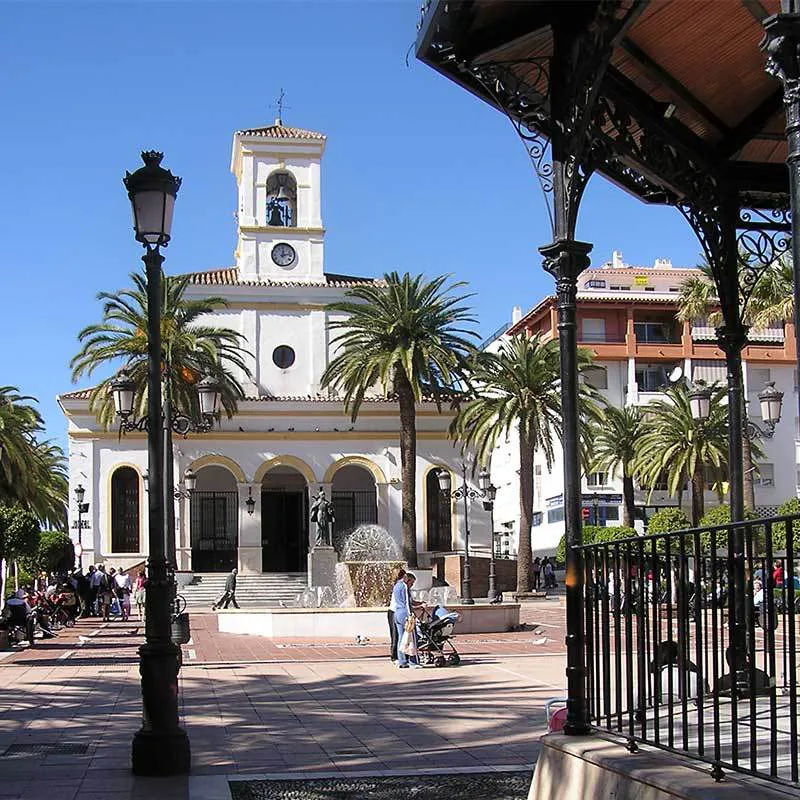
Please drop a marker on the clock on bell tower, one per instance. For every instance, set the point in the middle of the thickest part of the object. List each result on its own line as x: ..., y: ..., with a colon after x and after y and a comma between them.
x: 280, y: 233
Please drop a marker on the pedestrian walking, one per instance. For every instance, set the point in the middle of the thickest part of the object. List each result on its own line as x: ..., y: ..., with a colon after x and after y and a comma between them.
x: 94, y: 584
x: 139, y: 594
x: 123, y: 590
x: 229, y: 595
x: 104, y: 593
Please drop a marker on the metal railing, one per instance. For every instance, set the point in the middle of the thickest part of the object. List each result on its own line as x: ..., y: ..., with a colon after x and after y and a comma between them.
x: 691, y: 643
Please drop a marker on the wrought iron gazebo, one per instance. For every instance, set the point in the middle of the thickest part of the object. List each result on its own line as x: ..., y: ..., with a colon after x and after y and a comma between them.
x: 677, y: 102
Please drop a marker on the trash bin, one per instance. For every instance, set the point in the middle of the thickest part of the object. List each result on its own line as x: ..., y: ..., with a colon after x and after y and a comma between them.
x: 181, y: 632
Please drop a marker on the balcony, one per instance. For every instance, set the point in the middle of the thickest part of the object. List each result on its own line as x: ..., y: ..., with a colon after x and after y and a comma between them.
x: 656, y: 332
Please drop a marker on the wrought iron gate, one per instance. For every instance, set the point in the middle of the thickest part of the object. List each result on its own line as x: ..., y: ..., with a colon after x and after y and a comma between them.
x: 352, y: 509
x: 214, y: 530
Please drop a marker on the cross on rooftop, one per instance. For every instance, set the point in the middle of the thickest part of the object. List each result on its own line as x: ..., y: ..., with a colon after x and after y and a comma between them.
x: 279, y: 105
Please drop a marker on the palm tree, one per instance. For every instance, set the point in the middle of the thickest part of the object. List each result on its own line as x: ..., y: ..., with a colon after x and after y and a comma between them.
x: 698, y: 300
x: 192, y: 350
x: 614, y: 440
x: 773, y: 295
x: 32, y: 472
x: 405, y: 337
x: 675, y: 446
x: 519, y: 388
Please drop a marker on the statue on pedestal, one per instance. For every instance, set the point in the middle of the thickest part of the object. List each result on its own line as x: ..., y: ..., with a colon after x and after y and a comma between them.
x: 322, y: 515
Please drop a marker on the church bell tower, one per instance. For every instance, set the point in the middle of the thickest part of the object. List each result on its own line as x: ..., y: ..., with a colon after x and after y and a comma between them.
x: 279, y: 222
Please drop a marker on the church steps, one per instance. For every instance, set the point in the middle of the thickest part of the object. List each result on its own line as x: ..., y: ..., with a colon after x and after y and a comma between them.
x: 265, y: 589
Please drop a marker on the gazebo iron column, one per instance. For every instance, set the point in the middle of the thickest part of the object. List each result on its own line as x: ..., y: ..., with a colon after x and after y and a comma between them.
x: 782, y: 45
x: 582, y: 48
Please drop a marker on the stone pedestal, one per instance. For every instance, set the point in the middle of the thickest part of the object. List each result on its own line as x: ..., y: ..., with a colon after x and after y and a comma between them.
x: 322, y: 562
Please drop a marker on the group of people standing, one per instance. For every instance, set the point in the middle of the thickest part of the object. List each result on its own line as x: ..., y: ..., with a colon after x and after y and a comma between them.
x: 543, y: 571
x: 100, y: 591
x: 402, y: 620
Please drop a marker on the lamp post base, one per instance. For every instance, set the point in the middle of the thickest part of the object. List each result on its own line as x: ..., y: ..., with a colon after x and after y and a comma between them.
x: 466, y: 595
x: 491, y: 593
x: 158, y: 754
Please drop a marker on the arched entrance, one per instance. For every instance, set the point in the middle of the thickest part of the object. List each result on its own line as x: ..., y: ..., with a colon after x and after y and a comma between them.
x: 214, y: 522
x: 284, y: 520
x: 355, y: 500
x: 439, y: 518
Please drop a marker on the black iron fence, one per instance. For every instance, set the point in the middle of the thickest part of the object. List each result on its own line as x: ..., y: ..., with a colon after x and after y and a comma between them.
x: 691, y: 643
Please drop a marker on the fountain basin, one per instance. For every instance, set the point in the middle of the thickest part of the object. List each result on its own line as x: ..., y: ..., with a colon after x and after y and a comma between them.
x: 347, y: 623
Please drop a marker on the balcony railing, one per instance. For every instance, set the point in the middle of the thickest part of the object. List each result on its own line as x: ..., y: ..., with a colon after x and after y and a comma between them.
x: 607, y: 338
x: 691, y: 643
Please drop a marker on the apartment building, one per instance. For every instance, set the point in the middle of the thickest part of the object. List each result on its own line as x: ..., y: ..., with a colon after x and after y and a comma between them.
x: 626, y: 318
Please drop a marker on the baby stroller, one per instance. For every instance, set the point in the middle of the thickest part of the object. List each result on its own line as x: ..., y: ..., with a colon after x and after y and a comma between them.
x: 434, y: 638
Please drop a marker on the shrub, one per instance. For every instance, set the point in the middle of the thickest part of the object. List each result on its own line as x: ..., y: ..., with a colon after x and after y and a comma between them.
x: 721, y: 515
x: 55, y: 552
x: 668, y: 520
x: 595, y: 534
x: 779, y: 529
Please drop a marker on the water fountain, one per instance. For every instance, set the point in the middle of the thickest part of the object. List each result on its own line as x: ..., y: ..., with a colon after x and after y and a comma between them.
x: 364, y: 575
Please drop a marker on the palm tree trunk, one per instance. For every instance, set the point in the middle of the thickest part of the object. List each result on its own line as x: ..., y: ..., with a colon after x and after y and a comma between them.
x: 628, y: 502
x: 524, y: 550
x: 698, y: 498
x: 408, y: 465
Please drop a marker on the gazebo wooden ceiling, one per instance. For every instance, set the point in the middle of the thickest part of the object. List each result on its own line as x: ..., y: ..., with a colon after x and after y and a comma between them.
x: 690, y: 69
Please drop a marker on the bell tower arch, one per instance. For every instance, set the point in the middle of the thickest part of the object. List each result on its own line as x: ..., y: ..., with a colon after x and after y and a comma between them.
x: 279, y: 221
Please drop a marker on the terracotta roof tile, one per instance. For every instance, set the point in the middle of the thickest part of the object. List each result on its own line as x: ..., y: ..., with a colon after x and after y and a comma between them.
x: 229, y: 276
x: 280, y: 131
x: 78, y: 394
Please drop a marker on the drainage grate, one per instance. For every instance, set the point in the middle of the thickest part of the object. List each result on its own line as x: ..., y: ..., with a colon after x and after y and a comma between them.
x: 113, y: 669
x: 45, y: 748
x: 354, y: 751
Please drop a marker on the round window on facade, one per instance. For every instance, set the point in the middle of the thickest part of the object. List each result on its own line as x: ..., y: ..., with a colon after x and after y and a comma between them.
x: 283, y: 356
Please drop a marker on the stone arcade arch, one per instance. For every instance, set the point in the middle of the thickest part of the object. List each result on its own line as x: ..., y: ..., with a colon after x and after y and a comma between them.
x: 284, y: 519
x: 354, y: 494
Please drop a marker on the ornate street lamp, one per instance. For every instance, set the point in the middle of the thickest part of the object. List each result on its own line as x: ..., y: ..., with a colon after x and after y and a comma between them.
x: 161, y: 747
x: 490, y: 492
x: 771, y: 401
x: 83, y: 508
x: 209, y: 394
x: 123, y: 390
x: 189, y: 483
x: 700, y: 400
x: 464, y: 493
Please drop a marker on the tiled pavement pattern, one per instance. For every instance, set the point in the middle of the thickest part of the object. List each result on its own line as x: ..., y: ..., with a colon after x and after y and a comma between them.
x: 297, y: 708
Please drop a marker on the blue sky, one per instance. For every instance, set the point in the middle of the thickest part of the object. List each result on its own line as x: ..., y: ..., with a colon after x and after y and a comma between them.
x: 418, y: 175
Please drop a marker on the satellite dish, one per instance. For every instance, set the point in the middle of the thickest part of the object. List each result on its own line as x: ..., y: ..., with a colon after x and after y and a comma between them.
x: 676, y: 375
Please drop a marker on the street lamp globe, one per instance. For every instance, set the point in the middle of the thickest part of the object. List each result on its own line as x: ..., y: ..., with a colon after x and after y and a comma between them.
x: 250, y: 502
x: 445, y: 481
x: 123, y: 388
x: 80, y: 493
x: 152, y: 191
x: 189, y: 480
x: 484, y: 481
x: 700, y: 401
x: 771, y: 401
x: 209, y: 394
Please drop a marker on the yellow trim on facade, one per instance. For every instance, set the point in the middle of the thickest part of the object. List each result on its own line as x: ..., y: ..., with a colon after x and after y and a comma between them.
x: 105, y: 537
x: 285, y: 461
x: 276, y: 436
x: 391, y: 411
x: 355, y: 461
x: 286, y: 230
x: 217, y: 460
x: 268, y: 306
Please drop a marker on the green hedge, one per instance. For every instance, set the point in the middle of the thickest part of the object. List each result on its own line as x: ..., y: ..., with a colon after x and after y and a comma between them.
x: 595, y: 534
x: 721, y: 515
x: 668, y: 520
x: 779, y: 529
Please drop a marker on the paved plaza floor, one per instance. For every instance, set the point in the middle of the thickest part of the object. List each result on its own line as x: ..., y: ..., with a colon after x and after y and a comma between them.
x: 256, y: 707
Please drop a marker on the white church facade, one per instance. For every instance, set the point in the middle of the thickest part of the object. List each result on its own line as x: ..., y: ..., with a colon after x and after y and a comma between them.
x: 257, y: 471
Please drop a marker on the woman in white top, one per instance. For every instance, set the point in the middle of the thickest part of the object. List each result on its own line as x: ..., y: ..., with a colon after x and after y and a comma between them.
x: 398, y: 574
